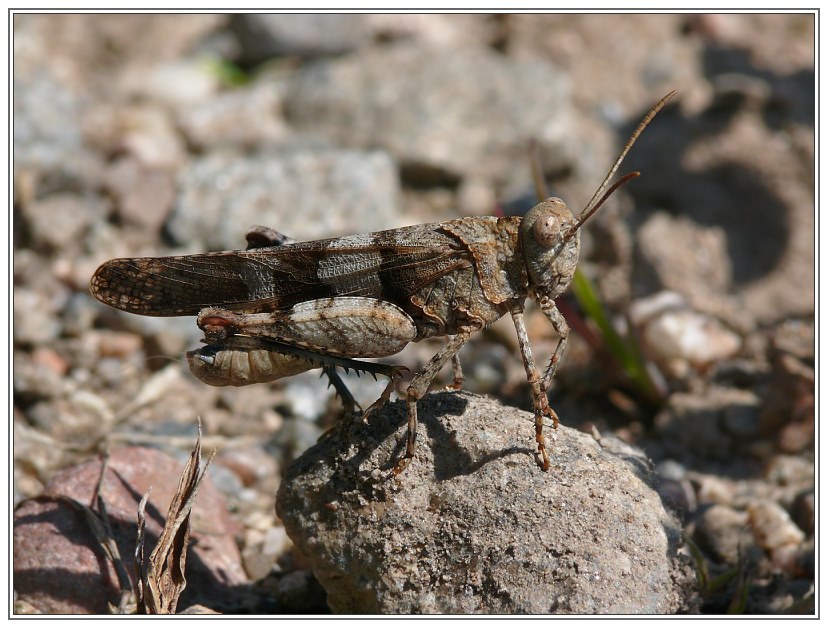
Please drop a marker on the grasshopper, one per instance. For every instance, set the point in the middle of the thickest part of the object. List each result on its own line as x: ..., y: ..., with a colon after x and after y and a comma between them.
x: 283, y: 307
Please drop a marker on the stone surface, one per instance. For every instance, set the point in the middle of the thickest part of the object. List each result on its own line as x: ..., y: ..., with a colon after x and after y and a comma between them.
x: 262, y: 36
x: 710, y: 426
x: 474, y: 526
x: 225, y: 120
x: 724, y: 534
x: 59, y: 566
x: 306, y: 194
x: 442, y: 116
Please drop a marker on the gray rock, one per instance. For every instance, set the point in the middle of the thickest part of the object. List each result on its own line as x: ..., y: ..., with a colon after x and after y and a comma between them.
x: 442, y: 114
x: 225, y: 119
x: 264, y: 36
x: 709, y: 426
x: 306, y: 194
x: 723, y: 533
x: 59, y: 221
x: 46, y: 123
x: 34, y: 317
x: 474, y: 526
x: 144, y: 195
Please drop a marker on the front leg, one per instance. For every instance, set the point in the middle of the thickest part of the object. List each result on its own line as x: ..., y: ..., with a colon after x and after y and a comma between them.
x: 553, y: 314
x: 540, y: 402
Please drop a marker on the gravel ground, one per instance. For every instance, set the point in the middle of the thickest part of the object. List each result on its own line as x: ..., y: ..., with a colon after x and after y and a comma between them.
x: 166, y: 134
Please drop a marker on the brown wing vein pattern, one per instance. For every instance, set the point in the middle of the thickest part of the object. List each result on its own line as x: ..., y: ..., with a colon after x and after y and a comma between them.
x: 270, y: 279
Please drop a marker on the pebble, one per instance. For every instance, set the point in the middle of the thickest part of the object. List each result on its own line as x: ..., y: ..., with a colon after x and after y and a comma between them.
x: 305, y: 194
x: 804, y: 511
x: 712, y: 489
x: 59, y: 221
x: 788, y: 412
x: 224, y: 121
x: 705, y: 425
x: 411, y: 101
x: 35, y: 320
x: 176, y: 84
x: 264, y: 36
x: 300, y: 592
x: 686, y: 338
x: 34, y: 379
x: 772, y: 526
x: 723, y: 533
x: 145, y: 195
x: 116, y: 344
x: 144, y: 131
x: 250, y: 464
x: 793, y: 471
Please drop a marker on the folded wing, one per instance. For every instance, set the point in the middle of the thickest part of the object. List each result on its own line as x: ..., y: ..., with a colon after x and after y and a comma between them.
x: 389, y: 265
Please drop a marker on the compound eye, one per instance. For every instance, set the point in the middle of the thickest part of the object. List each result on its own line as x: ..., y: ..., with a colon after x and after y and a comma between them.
x: 547, y: 229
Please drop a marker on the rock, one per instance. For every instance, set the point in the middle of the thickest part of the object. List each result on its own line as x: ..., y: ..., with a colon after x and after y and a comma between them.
x: 795, y: 337
x: 59, y: 567
x: 712, y: 489
x: 723, y: 533
x: 682, y: 338
x: 772, y: 526
x: 34, y: 380
x: 263, y: 36
x: 790, y: 471
x: 439, y: 30
x: 35, y: 320
x: 300, y: 592
x: 262, y: 549
x: 224, y: 120
x: 305, y: 194
x: 47, y: 138
x: 176, y: 84
x: 59, y: 221
x: 804, y: 509
x: 144, y: 195
x: 198, y: 609
x: 685, y: 257
x: 91, y: 51
x: 474, y: 526
x: 442, y: 114
x: 788, y: 408
x: 145, y: 131
x: 675, y: 488
x: 709, y: 426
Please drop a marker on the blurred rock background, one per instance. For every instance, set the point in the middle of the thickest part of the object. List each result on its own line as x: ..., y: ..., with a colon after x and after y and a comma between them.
x: 162, y: 134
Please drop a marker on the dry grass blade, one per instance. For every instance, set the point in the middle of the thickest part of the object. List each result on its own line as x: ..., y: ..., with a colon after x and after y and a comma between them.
x: 100, y: 526
x: 138, y: 559
x: 162, y: 577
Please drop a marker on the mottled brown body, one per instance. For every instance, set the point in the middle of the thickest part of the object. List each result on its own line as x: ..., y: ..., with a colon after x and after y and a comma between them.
x: 439, y: 274
x: 283, y: 307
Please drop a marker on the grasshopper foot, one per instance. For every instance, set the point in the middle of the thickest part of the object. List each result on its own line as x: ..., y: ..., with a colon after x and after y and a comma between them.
x: 543, y: 456
x: 402, y: 463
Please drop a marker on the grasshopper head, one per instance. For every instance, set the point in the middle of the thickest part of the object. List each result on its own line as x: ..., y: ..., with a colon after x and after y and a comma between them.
x: 549, y: 231
x: 550, y: 243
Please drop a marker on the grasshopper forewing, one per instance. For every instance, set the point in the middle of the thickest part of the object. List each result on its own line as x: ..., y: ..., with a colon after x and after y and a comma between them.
x: 283, y: 307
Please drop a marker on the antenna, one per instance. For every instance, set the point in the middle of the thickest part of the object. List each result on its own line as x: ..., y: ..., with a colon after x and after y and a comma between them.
x: 593, y: 206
